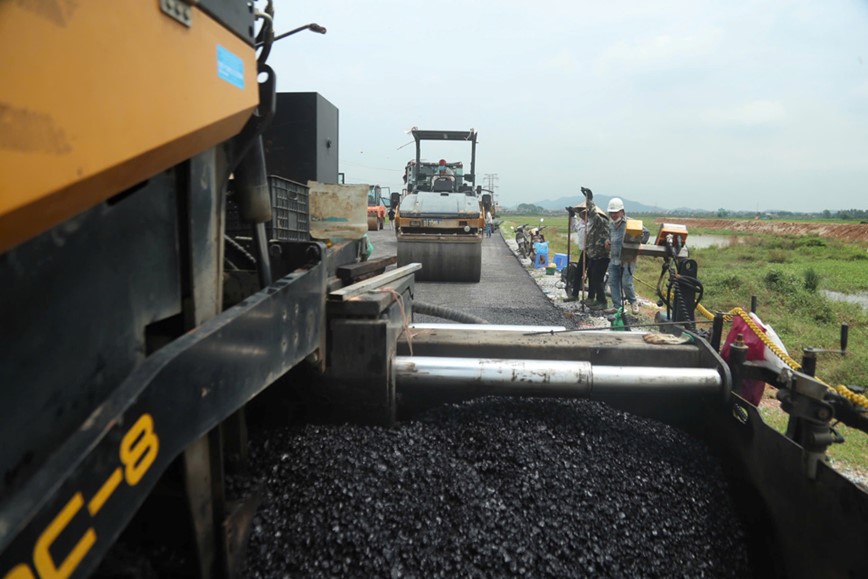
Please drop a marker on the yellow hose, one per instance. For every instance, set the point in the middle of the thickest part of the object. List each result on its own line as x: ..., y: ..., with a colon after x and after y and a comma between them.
x: 710, y: 316
x: 854, y: 398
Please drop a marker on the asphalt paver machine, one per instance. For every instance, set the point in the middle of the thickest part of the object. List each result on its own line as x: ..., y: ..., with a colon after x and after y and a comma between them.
x: 136, y: 332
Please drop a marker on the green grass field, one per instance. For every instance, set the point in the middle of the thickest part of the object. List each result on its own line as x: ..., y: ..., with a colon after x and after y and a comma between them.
x: 786, y: 274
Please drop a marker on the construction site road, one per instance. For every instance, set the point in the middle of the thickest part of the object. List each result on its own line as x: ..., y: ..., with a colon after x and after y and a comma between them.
x: 506, y: 294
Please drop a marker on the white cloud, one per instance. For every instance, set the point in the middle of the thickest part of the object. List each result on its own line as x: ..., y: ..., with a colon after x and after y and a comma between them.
x: 861, y: 91
x: 562, y: 62
x: 759, y: 113
x: 623, y: 93
x: 660, y: 52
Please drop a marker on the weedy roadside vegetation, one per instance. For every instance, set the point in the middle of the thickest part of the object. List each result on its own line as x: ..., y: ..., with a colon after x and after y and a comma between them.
x: 787, y: 274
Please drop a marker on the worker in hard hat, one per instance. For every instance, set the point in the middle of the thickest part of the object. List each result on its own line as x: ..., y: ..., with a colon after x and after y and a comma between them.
x: 620, y: 272
x: 442, y: 169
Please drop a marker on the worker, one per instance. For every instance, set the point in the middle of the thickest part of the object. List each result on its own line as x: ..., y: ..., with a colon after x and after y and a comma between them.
x: 442, y: 169
x: 620, y: 273
x: 488, y: 222
x: 596, y: 251
x: 580, y: 229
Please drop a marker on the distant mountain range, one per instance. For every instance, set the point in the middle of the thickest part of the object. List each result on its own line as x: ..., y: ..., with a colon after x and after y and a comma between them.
x: 601, y: 201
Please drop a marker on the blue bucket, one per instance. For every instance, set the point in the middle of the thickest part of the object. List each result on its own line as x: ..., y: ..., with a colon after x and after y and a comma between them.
x: 560, y: 261
x: 541, y: 249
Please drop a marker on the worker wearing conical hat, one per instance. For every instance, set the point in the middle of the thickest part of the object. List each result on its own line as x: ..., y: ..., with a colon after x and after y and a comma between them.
x: 596, y: 251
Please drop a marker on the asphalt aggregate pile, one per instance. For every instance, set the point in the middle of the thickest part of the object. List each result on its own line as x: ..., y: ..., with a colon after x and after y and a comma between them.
x: 494, y: 487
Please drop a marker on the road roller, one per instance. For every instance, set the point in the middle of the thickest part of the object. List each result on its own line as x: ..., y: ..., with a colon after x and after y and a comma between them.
x: 137, y: 330
x: 440, y: 221
x: 376, y: 208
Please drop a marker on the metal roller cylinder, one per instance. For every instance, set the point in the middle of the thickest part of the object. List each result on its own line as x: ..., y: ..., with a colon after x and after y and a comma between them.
x: 486, y: 377
x: 459, y: 260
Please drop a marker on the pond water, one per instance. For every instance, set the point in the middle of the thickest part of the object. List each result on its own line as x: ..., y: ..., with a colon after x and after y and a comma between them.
x: 860, y: 298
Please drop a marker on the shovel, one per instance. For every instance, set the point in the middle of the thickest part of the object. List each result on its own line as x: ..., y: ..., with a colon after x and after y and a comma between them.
x: 569, y: 238
x: 570, y: 218
x: 584, y: 263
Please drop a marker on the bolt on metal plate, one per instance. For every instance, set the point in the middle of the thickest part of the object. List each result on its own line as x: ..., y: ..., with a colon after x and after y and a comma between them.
x: 178, y: 10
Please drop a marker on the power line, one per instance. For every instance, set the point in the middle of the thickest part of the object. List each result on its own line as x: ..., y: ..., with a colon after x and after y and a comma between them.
x: 373, y: 168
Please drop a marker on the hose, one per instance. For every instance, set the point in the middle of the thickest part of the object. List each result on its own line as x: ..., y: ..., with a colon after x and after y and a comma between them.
x: 677, y: 286
x: 446, y: 313
x: 674, y: 298
x: 854, y: 398
x: 265, y: 38
x: 683, y: 313
x: 233, y: 245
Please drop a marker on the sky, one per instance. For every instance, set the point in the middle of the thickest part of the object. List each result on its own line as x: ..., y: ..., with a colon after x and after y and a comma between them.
x: 748, y: 105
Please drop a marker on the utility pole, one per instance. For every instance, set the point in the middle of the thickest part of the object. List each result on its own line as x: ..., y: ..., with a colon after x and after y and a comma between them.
x: 491, y: 185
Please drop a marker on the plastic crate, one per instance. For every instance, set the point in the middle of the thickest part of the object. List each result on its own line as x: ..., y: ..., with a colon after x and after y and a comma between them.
x: 290, y: 212
x: 290, y: 219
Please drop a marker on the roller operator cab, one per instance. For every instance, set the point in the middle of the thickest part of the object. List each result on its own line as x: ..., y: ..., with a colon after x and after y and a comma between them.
x: 440, y: 219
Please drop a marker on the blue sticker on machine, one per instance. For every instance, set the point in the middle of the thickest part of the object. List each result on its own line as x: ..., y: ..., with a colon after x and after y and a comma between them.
x: 230, y: 67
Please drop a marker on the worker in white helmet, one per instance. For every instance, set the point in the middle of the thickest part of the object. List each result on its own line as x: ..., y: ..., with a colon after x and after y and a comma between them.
x: 620, y: 273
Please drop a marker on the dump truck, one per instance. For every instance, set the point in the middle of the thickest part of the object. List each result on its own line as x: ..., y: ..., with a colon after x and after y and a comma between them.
x: 137, y: 331
x: 440, y: 220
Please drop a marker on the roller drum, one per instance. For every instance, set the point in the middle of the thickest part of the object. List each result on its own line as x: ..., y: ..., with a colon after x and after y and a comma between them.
x: 443, y: 260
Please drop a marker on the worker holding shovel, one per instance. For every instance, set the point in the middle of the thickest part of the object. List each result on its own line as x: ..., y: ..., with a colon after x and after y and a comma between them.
x: 598, y: 231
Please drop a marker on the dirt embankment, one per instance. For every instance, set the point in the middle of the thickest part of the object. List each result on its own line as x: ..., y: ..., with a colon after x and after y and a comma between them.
x: 855, y: 232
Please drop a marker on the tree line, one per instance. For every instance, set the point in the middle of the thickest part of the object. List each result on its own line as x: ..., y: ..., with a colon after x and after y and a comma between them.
x: 845, y: 214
